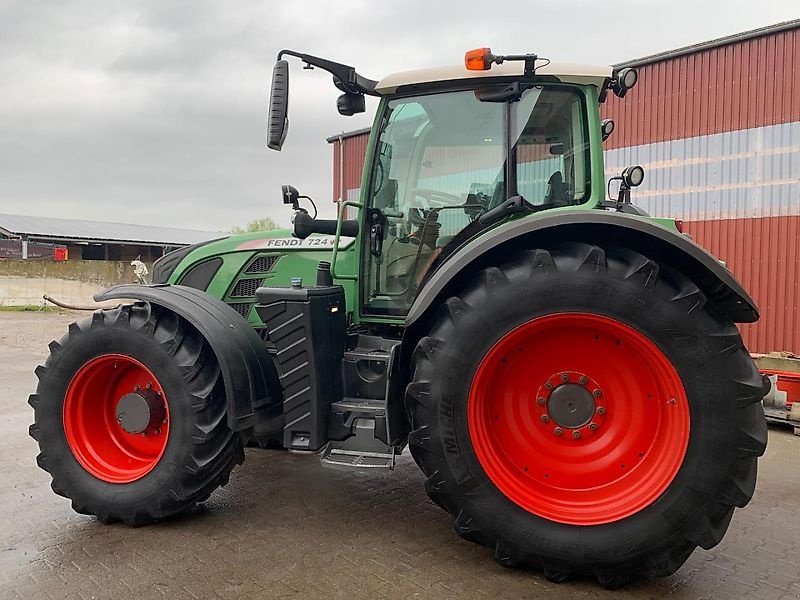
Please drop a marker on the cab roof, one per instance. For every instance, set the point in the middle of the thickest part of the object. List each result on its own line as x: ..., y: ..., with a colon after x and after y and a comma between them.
x: 564, y: 72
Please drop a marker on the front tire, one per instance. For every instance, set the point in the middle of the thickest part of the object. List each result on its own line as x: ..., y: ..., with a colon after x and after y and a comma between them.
x: 585, y: 411
x: 130, y: 416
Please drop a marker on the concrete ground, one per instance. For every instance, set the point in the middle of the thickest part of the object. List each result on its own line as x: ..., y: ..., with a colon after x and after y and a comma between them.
x: 286, y: 528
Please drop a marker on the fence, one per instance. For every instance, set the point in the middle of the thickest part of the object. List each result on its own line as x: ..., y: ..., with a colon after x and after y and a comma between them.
x: 35, y: 250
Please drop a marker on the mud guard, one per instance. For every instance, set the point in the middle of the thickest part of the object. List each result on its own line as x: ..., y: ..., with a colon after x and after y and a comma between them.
x: 252, y: 386
x: 594, y: 226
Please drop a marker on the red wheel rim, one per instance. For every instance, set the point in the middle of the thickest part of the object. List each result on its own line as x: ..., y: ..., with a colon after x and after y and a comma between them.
x: 95, y: 433
x: 549, y: 450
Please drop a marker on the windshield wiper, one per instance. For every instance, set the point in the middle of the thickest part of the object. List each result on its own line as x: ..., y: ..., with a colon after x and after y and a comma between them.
x: 512, y: 206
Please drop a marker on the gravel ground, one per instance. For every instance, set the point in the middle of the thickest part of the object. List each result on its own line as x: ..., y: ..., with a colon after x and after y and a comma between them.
x: 32, y: 331
x: 287, y: 528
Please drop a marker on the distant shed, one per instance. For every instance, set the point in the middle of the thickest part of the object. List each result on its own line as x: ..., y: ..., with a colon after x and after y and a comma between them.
x: 94, y: 240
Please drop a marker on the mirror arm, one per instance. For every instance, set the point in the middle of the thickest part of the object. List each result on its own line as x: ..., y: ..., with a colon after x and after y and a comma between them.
x: 345, y: 76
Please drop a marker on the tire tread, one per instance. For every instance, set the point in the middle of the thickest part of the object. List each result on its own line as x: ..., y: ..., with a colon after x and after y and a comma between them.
x: 216, y: 448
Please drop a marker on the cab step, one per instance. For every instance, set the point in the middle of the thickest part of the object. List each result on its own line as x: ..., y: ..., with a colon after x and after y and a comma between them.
x: 336, y: 458
x: 362, y: 450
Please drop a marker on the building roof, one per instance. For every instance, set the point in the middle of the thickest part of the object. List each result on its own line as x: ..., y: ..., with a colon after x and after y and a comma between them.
x: 348, y: 134
x: 715, y: 43
x: 566, y: 72
x: 51, y: 229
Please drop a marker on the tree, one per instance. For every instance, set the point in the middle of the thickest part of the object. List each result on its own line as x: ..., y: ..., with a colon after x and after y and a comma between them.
x: 264, y: 224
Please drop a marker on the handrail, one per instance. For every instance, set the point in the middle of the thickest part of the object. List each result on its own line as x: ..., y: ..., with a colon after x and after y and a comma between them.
x: 339, y: 219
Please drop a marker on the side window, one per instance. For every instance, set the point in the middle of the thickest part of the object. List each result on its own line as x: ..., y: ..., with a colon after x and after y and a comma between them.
x: 396, y: 167
x: 552, y: 147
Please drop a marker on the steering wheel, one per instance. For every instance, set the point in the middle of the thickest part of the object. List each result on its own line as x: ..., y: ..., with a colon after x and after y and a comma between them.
x: 438, y: 199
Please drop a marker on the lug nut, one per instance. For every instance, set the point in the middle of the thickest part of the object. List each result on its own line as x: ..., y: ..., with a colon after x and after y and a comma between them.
x: 564, y: 377
x: 558, y: 431
x: 601, y: 410
x: 540, y: 401
x: 164, y: 422
x: 597, y: 393
x: 158, y: 432
x: 544, y: 419
x: 149, y: 386
x: 548, y: 385
x: 576, y: 434
x: 593, y: 426
x: 583, y: 380
x: 136, y: 388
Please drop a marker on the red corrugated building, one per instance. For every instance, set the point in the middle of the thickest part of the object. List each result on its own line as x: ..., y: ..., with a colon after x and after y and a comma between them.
x: 717, y: 128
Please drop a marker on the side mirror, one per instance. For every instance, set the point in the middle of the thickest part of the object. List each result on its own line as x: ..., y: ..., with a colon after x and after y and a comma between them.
x: 557, y: 149
x: 278, y: 121
x: 290, y: 196
x: 351, y: 104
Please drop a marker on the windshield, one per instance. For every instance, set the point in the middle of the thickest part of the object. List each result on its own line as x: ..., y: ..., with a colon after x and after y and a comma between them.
x: 445, y: 159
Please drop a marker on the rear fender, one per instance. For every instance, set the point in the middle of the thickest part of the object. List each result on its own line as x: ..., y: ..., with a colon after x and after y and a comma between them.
x: 252, y: 386
x: 590, y: 226
x: 640, y: 234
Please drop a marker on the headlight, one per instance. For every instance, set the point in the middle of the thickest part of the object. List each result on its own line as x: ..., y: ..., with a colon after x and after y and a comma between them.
x: 165, y: 266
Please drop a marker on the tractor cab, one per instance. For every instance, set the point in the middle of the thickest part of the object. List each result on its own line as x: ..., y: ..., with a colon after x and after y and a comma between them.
x: 457, y: 150
x: 444, y: 161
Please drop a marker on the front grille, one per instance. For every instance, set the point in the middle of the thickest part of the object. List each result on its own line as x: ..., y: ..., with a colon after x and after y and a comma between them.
x: 262, y: 264
x: 246, y: 288
x: 243, y: 308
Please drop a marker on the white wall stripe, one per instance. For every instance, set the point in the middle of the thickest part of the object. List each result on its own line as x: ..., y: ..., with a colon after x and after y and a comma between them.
x: 731, y: 175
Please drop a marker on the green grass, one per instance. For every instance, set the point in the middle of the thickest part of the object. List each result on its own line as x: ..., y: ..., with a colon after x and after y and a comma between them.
x: 27, y: 308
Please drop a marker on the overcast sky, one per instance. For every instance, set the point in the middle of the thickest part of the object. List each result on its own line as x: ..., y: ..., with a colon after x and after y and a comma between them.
x: 154, y: 111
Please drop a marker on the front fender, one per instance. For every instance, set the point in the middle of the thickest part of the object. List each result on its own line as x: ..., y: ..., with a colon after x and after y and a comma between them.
x: 252, y: 387
x: 592, y: 226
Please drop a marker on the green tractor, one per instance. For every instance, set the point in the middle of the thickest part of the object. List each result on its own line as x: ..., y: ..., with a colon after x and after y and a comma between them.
x: 565, y: 370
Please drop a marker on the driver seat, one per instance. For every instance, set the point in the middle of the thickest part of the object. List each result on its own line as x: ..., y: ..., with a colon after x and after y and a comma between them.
x: 557, y: 191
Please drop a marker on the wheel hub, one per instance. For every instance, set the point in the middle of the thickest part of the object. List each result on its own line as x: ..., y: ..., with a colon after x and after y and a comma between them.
x: 141, y: 412
x: 571, y: 405
x: 116, y: 418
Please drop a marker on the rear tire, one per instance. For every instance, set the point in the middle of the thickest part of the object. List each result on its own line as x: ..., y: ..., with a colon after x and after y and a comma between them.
x: 106, y: 470
x: 470, y: 467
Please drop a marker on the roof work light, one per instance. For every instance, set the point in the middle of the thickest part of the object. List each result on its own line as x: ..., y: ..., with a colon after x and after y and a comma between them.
x: 624, y: 80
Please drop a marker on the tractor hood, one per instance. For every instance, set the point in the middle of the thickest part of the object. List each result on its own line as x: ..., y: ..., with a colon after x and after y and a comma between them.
x: 236, y: 248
